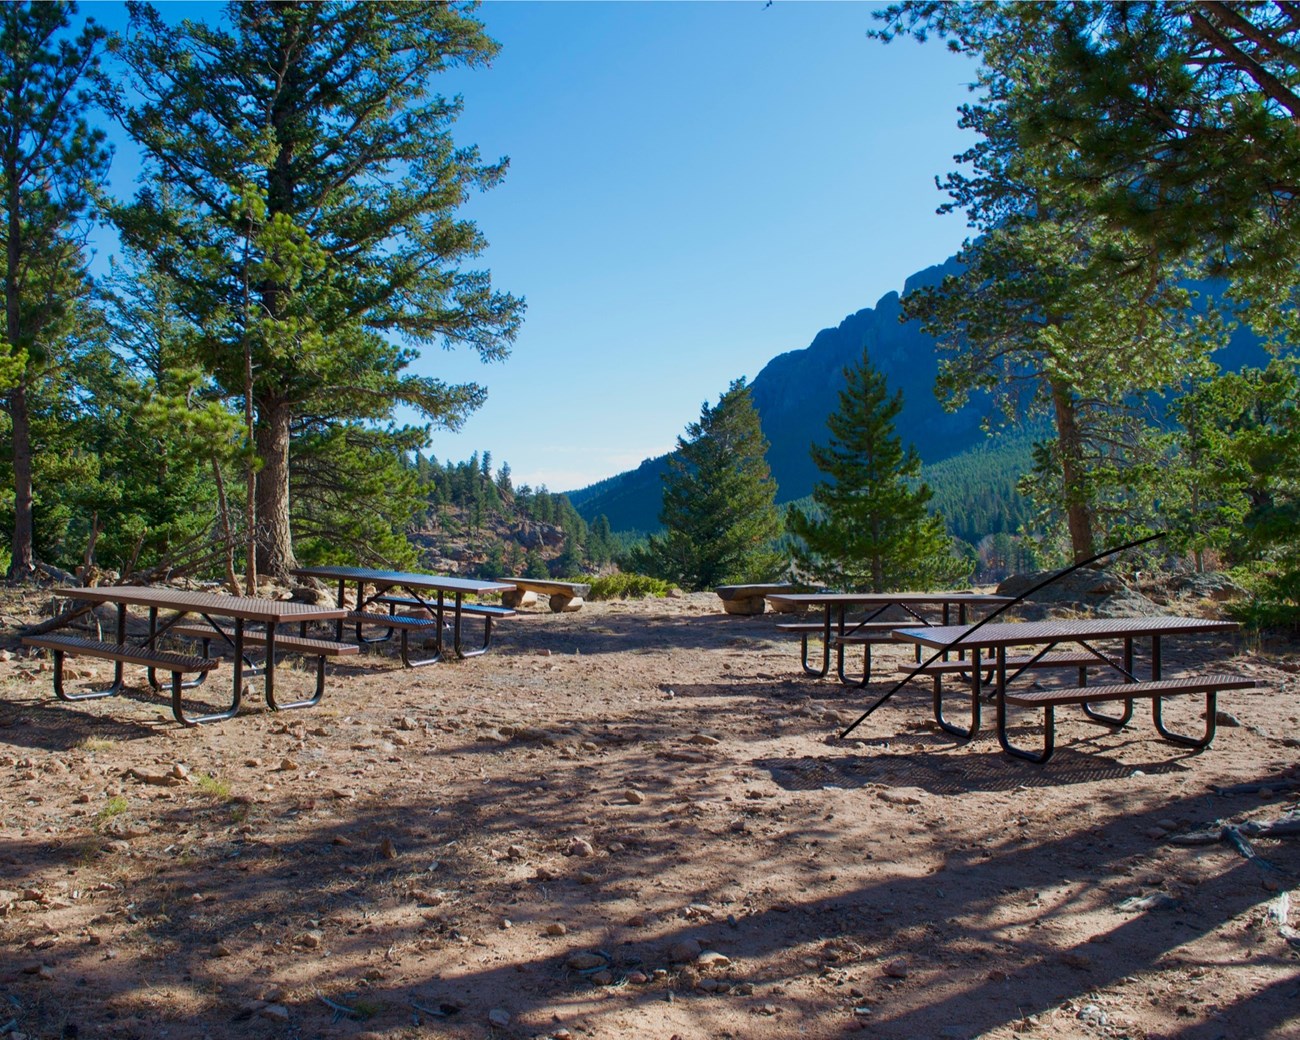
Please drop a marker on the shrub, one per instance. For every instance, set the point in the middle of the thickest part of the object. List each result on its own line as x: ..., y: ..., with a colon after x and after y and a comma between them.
x: 625, y: 586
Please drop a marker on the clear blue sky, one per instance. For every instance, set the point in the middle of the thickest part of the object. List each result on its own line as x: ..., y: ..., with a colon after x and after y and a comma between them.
x: 694, y: 188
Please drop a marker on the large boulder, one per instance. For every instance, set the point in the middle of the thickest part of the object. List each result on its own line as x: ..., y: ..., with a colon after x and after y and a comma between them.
x: 1088, y: 589
x: 1216, y: 586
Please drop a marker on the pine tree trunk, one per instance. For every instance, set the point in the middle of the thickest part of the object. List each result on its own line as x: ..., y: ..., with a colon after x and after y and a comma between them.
x: 274, y: 541
x: 1069, y: 440
x: 21, y: 564
x: 21, y: 561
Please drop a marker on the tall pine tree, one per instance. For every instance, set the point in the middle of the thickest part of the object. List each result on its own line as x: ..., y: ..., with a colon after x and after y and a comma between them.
x: 316, y: 243
x: 719, y: 514
x: 870, y: 529
x: 49, y: 160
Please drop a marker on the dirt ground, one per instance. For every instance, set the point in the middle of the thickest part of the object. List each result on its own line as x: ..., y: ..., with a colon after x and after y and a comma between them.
x: 636, y: 820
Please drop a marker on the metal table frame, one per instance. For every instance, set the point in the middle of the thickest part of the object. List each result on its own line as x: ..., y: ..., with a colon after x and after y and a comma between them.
x: 207, y: 605
x: 1045, y: 636
x: 836, y: 606
x: 413, y: 584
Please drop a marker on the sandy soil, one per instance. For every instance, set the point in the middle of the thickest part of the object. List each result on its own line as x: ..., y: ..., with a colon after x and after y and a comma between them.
x: 634, y: 821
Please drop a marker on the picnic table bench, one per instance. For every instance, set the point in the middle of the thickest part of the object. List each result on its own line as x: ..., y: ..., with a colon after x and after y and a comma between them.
x: 564, y: 595
x: 752, y: 599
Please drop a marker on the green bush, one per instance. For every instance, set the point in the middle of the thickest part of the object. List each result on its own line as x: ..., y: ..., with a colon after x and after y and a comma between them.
x: 624, y: 586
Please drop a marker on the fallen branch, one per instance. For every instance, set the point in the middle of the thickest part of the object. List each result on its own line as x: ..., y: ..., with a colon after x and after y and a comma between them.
x: 1236, y: 835
x: 1262, y: 785
x: 58, y: 621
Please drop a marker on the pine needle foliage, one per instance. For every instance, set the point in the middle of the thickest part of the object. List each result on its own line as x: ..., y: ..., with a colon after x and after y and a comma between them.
x: 870, y: 528
x: 719, y: 514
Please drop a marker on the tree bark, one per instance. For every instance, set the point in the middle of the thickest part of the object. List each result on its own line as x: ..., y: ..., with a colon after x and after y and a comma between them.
x: 274, y: 540
x: 21, y: 564
x: 1069, y: 441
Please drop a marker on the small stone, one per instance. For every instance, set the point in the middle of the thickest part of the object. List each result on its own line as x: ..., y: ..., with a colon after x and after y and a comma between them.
x: 586, y: 877
x: 556, y: 928
x: 407, y: 723
x: 707, y: 985
x: 499, y: 1018
x: 637, y: 978
x: 703, y: 739
x: 1226, y: 718
x: 603, y: 978
x: 684, y: 951
x: 287, y: 765
x: 581, y: 847
x: 220, y: 950
x: 311, y: 940
x: 275, y: 1012
x: 633, y: 797
x: 712, y: 959
x: 896, y: 969
x: 584, y: 961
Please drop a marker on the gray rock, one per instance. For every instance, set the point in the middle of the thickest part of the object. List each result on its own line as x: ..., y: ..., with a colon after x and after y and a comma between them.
x: 1216, y: 586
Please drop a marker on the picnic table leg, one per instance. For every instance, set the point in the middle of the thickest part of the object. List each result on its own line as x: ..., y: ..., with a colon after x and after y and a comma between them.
x: 338, y: 625
x: 237, y: 689
x: 819, y: 673
x: 92, y: 695
x: 269, y: 669
x: 404, y: 643
x: 154, y: 633
x: 1182, y: 739
x: 456, y: 630
x: 1117, y: 721
x: 976, y: 692
x: 1049, y: 720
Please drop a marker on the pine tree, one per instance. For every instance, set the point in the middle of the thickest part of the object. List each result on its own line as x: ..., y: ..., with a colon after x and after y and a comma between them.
x: 718, y: 510
x: 869, y: 529
x: 318, y: 248
x: 49, y: 161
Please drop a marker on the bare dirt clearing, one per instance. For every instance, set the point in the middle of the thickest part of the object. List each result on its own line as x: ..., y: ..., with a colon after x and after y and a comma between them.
x: 634, y: 821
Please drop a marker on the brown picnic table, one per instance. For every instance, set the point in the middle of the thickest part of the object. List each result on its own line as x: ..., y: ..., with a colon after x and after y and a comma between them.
x: 835, y: 628
x: 426, y: 604
x: 1044, y: 638
x: 241, y: 610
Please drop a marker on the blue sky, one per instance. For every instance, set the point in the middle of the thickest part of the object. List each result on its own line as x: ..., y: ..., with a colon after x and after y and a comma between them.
x: 694, y: 188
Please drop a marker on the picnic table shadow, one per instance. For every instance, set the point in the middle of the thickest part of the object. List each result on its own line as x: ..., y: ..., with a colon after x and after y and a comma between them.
x: 956, y: 770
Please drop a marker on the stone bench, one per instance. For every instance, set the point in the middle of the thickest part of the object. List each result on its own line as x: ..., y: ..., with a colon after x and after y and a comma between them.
x: 752, y: 599
x: 563, y: 595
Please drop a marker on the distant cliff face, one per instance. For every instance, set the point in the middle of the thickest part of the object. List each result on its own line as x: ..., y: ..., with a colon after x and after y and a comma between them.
x: 794, y: 394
